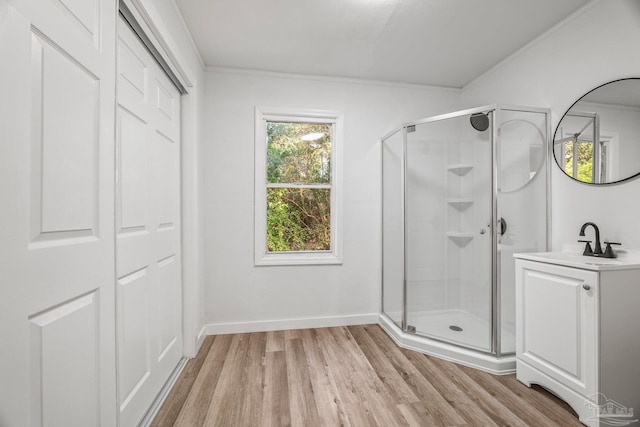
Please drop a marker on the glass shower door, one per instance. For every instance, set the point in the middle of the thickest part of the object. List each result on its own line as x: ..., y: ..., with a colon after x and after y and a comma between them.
x: 448, y: 229
x: 392, y: 227
x: 522, y: 203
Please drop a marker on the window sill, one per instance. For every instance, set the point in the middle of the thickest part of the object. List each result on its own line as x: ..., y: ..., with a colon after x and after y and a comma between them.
x: 299, y: 258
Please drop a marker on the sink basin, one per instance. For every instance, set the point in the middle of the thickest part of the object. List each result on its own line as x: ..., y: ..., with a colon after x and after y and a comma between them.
x: 570, y: 259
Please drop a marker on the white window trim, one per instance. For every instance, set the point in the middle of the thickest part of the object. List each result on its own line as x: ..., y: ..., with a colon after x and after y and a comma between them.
x: 262, y: 257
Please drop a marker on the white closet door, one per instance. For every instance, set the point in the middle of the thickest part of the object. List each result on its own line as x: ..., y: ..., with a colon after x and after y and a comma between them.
x: 148, y: 288
x: 57, y: 91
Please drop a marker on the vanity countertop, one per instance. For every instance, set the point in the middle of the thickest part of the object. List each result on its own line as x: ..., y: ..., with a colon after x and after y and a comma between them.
x: 626, y: 259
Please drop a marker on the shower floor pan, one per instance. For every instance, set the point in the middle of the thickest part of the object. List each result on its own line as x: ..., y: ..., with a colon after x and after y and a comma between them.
x: 455, y: 326
x: 467, y: 347
x: 444, y: 324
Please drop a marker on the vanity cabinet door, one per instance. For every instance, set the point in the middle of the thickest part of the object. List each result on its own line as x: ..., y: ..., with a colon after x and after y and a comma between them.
x: 556, y: 322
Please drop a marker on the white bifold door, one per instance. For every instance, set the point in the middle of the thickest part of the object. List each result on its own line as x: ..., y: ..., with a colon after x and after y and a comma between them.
x: 57, y: 95
x: 90, y: 280
x: 148, y: 286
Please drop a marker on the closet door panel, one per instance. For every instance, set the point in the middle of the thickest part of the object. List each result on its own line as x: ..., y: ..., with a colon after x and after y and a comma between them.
x: 56, y: 225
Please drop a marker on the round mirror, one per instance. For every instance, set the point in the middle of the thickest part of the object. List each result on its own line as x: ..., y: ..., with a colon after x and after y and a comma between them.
x: 598, y: 139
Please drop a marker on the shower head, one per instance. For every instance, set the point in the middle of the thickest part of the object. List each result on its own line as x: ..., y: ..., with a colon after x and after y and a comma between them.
x: 479, y: 121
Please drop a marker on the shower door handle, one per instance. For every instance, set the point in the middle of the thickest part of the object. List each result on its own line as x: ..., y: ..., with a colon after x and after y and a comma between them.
x: 502, y: 226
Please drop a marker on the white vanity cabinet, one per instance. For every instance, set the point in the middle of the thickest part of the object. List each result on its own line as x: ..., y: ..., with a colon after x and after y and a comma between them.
x: 578, y: 335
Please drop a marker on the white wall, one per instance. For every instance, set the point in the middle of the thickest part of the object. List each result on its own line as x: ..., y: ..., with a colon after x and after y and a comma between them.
x: 597, y: 45
x: 237, y: 291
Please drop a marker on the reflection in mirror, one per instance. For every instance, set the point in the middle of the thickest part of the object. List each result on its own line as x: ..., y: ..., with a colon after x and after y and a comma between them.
x: 521, y: 148
x: 598, y: 139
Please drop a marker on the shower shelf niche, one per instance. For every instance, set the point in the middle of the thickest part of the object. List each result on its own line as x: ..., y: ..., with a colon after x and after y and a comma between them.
x: 460, y: 169
x: 460, y: 204
x: 460, y: 238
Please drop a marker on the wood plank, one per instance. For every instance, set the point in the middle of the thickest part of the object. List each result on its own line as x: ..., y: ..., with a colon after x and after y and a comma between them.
x: 225, y: 407
x: 555, y: 409
x: 252, y: 395
x: 395, y: 381
x: 455, y: 396
x: 418, y: 414
x: 168, y: 413
x: 528, y: 413
x: 495, y: 409
x: 331, y: 408
x: 302, y: 403
x: 257, y: 349
x: 354, y: 404
x: 275, y: 341
x: 195, y: 406
x: 291, y: 334
x: 375, y: 340
x: 359, y: 381
x: 275, y: 399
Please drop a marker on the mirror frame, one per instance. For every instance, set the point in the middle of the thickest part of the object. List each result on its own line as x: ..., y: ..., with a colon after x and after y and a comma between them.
x: 553, y: 150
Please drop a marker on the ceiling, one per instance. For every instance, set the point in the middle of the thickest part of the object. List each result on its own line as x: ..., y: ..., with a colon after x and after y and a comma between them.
x: 435, y: 42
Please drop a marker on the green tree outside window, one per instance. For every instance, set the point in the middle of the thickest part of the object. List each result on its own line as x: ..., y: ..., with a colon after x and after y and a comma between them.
x: 584, y: 160
x: 298, y: 186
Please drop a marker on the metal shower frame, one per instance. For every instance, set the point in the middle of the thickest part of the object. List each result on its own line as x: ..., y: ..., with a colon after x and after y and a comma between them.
x: 496, y: 109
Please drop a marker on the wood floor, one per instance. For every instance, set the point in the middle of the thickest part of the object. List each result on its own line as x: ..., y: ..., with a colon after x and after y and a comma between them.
x: 347, y: 376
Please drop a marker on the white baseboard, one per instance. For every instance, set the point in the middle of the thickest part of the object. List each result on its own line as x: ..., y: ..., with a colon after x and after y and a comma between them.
x: 284, y: 324
x: 201, y: 336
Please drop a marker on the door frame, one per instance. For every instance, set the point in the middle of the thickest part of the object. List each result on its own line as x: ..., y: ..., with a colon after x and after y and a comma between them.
x: 154, y: 31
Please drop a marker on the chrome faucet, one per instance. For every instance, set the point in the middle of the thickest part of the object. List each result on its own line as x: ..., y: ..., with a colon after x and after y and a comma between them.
x: 597, y: 250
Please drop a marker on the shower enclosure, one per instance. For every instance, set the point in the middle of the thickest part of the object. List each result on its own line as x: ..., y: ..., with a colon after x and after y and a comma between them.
x: 461, y: 193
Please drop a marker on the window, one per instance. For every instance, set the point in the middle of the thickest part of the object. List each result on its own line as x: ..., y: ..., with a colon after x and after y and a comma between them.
x: 582, y: 159
x: 578, y: 160
x: 297, y: 192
